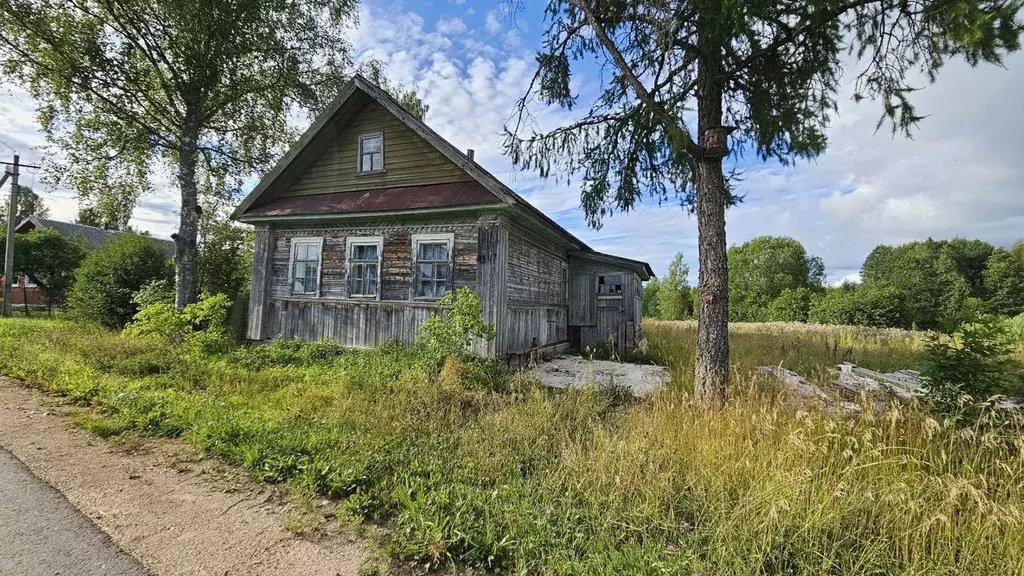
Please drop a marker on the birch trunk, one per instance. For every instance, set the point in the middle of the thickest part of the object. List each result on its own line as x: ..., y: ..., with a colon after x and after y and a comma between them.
x: 185, y: 249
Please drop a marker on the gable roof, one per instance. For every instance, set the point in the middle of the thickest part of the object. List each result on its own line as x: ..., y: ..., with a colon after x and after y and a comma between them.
x: 359, y: 85
x: 94, y: 237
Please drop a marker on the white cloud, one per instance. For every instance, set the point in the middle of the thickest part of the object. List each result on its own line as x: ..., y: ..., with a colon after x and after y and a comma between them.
x: 960, y: 175
x: 492, y: 23
x: 452, y: 25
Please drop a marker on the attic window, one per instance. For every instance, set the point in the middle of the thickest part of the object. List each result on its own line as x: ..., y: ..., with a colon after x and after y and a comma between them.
x: 371, y: 152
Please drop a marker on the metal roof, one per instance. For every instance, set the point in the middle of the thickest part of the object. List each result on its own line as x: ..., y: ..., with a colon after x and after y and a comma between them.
x: 458, y: 194
x: 94, y: 237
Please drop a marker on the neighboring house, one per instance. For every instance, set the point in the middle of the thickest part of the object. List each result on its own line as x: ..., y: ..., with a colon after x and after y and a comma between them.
x: 371, y: 217
x: 25, y: 291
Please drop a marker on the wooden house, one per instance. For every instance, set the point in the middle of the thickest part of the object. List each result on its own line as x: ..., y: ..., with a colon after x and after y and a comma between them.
x: 371, y: 217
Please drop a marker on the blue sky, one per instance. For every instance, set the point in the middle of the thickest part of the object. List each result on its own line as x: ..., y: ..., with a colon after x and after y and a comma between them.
x: 962, y: 174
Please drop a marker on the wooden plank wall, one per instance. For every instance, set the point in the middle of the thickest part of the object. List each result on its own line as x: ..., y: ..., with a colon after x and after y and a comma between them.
x: 360, y: 324
x: 409, y: 160
x: 260, y: 289
x: 357, y: 322
x: 537, y: 309
x: 492, y: 282
x: 613, y: 319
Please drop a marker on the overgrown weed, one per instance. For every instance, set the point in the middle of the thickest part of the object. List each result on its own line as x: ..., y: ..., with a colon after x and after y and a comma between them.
x: 467, y: 464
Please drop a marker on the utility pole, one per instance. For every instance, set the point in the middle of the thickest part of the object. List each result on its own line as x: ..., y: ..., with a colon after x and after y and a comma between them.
x: 12, y: 213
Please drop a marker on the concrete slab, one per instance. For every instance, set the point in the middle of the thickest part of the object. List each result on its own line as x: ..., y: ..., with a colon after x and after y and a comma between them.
x: 577, y: 372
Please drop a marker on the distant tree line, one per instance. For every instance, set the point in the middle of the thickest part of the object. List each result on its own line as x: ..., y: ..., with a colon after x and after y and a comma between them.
x: 925, y: 285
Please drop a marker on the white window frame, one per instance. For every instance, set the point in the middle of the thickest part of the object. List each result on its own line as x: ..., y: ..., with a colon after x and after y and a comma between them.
x: 351, y: 243
x: 359, y: 153
x: 28, y: 282
x: 418, y: 239
x: 597, y: 285
x: 319, y: 242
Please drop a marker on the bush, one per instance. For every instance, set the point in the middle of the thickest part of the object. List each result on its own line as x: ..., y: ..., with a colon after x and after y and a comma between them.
x: 155, y: 292
x: 974, y: 361
x: 202, y: 325
x: 109, y: 277
x: 281, y: 352
x: 793, y: 305
x: 450, y: 331
x: 858, y: 305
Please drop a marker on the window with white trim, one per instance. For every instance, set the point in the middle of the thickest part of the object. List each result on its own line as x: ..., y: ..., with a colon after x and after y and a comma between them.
x: 371, y: 152
x: 364, y: 255
x: 609, y: 285
x: 432, y: 257
x: 304, y: 266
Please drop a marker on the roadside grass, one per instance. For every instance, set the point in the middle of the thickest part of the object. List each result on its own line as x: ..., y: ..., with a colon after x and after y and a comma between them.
x: 483, y: 468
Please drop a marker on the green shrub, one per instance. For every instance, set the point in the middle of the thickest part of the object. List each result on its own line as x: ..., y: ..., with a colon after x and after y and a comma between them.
x: 859, y: 305
x: 155, y: 292
x: 450, y: 330
x: 110, y: 276
x: 203, y: 325
x: 793, y: 305
x: 281, y: 352
x: 974, y: 361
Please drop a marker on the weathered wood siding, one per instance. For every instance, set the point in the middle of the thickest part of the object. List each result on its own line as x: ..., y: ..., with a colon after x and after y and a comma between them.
x: 260, y: 289
x: 408, y: 159
x: 537, y: 308
x: 359, y: 324
x: 603, y: 320
x: 492, y: 282
x: 357, y: 321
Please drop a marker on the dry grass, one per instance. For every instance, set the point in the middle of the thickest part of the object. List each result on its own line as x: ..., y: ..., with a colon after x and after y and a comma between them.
x: 478, y: 469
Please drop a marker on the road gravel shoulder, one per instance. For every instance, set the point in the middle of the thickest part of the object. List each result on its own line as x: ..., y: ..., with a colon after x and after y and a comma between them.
x: 160, y: 502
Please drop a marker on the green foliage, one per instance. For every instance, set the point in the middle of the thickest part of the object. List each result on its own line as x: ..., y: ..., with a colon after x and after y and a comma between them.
x: 792, y: 305
x: 926, y: 275
x: 650, y: 298
x: 774, y: 74
x: 110, y: 276
x: 762, y: 269
x: 974, y: 361
x: 159, y: 291
x: 522, y: 480
x: 48, y: 259
x: 674, y: 300
x: 1015, y: 329
x: 281, y: 352
x: 202, y: 325
x: 225, y: 259
x: 450, y: 331
x: 1004, y: 281
x: 858, y: 305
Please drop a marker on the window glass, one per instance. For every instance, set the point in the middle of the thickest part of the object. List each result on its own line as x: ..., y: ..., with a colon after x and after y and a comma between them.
x: 371, y: 153
x: 305, y: 266
x: 364, y: 270
x: 433, y: 269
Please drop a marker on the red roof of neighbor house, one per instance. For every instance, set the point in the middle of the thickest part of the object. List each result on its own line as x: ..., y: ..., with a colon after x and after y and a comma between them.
x: 380, y: 200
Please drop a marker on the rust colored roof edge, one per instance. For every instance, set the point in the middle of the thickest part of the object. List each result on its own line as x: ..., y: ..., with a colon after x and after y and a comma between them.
x: 458, y: 195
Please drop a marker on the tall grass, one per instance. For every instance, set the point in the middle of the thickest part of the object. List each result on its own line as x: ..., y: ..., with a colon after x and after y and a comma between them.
x: 483, y: 468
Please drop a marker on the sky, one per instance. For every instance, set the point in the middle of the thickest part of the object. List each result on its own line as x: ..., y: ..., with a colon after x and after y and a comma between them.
x: 961, y: 175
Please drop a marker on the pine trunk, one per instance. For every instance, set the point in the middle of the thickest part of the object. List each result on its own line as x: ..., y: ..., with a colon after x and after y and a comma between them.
x: 711, y: 378
x: 185, y: 250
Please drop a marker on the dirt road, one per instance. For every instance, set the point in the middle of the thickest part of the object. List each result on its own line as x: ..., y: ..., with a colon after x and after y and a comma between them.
x: 175, y: 513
